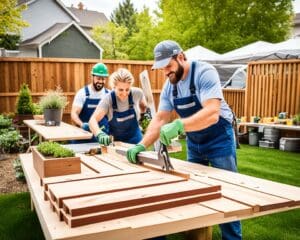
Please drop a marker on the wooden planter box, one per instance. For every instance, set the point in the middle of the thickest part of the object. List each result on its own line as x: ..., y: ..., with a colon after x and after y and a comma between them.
x: 49, y: 167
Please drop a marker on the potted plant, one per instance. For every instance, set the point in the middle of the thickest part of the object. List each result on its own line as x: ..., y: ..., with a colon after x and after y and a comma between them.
x: 37, y: 112
x: 24, y: 105
x: 52, y: 105
x: 51, y: 159
x: 296, y: 119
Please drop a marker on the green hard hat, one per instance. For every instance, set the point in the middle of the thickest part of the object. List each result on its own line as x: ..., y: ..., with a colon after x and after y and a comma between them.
x: 100, y: 70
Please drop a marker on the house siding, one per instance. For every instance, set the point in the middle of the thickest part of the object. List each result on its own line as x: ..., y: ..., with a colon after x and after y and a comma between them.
x: 71, y: 44
x: 41, y: 15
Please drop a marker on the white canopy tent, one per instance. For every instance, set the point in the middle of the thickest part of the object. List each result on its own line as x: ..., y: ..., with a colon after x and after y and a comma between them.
x: 201, y: 53
x: 263, y: 51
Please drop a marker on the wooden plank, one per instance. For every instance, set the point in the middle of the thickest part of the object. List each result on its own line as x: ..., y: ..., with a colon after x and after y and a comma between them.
x: 99, y: 166
x: 104, y: 202
x: 228, y: 207
x: 148, y: 159
x: 88, y: 187
x: 78, y: 177
x: 146, y: 86
x: 135, y: 210
x: 260, y: 185
x: 257, y: 200
x: 58, y: 133
x: 53, y: 229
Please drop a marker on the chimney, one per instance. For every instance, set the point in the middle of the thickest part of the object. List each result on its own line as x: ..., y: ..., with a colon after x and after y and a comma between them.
x: 80, y: 6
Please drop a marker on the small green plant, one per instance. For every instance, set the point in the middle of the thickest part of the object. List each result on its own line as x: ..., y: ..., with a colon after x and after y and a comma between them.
x: 24, y: 101
x: 55, y: 150
x: 37, y: 110
x: 5, y: 122
x: 11, y: 141
x: 54, y: 99
x: 145, y: 120
x: 18, y: 169
x: 296, y: 119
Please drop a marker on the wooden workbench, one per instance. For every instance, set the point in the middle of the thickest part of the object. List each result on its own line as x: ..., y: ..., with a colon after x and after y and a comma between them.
x: 270, y: 125
x: 62, y: 132
x: 242, y: 197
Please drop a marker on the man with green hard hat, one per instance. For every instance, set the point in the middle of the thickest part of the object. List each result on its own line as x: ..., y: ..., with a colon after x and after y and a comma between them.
x: 87, y: 99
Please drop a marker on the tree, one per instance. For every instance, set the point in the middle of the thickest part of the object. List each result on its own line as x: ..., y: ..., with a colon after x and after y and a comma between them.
x: 223, y: 25
x: 140, y: 45
x: 10, y: 17
x: 110, y: 38
x: 9, y: 42
x: 125, y: 15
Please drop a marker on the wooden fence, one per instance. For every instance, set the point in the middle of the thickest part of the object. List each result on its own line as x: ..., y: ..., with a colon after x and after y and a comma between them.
x: 273, y: 87
x: 42, y: 74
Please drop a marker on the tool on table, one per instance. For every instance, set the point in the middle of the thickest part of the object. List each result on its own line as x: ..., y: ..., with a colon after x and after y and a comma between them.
x: 163, y: 156
x: 93, y: 151
x: 161, y: 159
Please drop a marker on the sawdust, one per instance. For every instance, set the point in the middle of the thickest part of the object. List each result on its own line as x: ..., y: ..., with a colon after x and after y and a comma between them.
x: 8, y: 181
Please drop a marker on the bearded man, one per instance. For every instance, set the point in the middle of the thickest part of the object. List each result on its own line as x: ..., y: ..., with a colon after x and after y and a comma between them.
x: 194, y: 91
x: 87, y: 99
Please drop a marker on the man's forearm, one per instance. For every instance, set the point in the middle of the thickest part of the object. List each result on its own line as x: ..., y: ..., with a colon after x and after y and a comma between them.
x: 76, y: 119
x: 94, y: 127
x: 152, y: 133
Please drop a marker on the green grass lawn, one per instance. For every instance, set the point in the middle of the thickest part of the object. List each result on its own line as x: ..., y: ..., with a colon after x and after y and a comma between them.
x: 18, y: 222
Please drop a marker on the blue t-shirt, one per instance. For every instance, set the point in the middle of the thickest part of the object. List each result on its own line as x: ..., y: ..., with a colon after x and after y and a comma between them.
x: 208, y: 86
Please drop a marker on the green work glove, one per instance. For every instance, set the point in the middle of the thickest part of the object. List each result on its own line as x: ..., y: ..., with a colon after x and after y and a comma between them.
x: 171, y: 130
x: 134, y: 151
x: 103, y: 138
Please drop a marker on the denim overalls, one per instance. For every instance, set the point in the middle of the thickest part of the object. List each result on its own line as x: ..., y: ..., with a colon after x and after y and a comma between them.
x: 88, y: 109
x: 214, y: 144
x: 214, y: 141
x: 124, y: 126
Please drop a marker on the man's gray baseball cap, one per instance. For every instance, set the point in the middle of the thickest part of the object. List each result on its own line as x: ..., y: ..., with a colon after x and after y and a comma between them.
x: 163, y: 52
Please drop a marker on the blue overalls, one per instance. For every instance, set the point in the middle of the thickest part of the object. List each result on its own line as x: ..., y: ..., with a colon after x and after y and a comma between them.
x: 214, y: 144
x: 124, y: 126
x: 87, y: 110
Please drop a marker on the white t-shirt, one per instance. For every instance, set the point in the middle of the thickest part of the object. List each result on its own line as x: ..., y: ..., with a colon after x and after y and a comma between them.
x: 137, y: 96
x: 80, y: 96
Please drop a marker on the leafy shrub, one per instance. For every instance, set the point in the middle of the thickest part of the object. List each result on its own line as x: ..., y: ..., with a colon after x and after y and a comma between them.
x: 54, y: 99
x: 5, y: 122
x: 11, y: 141
x: 37, y: 110
x: 55, y: 150
x: 24, y: 101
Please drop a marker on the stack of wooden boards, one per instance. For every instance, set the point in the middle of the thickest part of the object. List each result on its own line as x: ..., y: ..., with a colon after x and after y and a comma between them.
x: 112, y: 188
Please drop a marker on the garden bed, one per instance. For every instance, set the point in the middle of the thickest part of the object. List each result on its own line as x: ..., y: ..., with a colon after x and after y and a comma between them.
x: 8, y: 181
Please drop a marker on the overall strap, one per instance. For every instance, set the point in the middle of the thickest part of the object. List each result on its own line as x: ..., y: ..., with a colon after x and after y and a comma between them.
x: 87, y: 92
x: 114, y: 100
x: 192, y: 84
x: 106, y: 91
x: 130, y: 100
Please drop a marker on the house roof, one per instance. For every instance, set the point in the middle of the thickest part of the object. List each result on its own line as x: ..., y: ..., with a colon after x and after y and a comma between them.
x: 60, y: 3
x: 53, y: 32
x: 89, y: 18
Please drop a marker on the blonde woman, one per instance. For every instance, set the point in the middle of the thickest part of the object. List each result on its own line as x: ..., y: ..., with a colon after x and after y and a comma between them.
x: 122, y: 106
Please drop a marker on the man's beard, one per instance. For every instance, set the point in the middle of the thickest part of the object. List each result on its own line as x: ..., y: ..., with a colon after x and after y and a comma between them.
x: 175, y: 77
x: 98, y: 86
